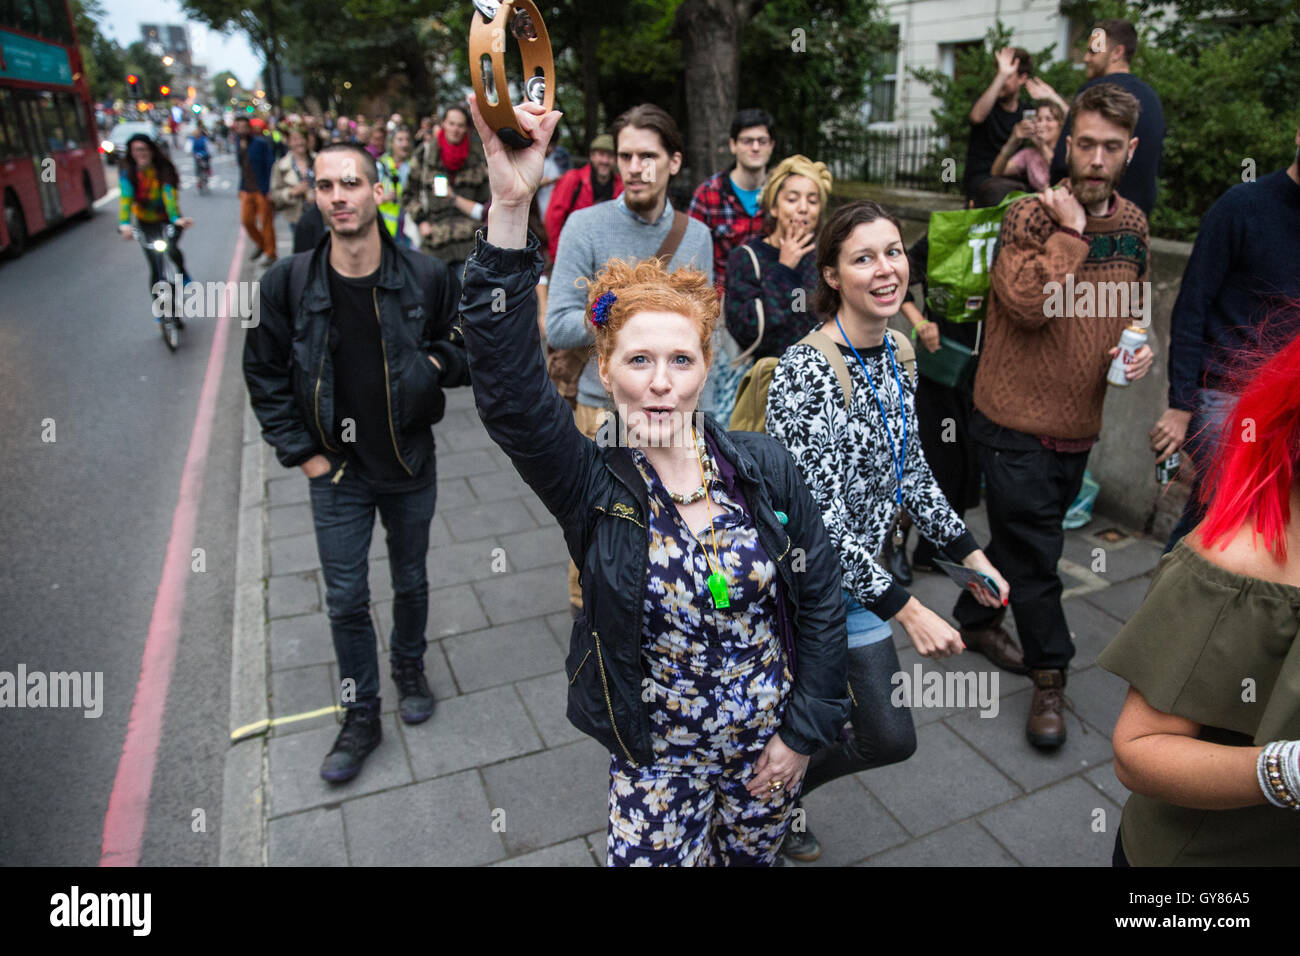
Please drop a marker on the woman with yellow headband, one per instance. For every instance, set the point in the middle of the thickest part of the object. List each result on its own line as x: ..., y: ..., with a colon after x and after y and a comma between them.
x: 770, y: 279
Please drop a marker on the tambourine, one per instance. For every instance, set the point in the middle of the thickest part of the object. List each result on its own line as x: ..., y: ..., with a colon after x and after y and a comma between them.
x: 487, y: 60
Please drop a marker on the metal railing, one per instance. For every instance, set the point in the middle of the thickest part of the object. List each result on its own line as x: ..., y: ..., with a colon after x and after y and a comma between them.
x: 908, y: 157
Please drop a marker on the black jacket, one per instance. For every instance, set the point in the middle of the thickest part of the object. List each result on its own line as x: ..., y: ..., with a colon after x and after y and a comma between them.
x: 601, y: 502
x: 288, y: 364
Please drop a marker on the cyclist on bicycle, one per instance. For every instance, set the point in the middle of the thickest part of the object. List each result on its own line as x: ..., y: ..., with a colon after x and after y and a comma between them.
x: 199, y: 146
x: 149, y: 184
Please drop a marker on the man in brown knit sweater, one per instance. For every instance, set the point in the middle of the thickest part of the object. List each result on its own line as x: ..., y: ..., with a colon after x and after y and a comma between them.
x: 1051, y: 332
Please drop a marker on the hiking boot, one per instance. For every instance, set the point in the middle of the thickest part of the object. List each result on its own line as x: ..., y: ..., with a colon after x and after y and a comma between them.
x: 361, y: 734
x: 415, y: 699
x: 997, y: 645
x: 1046, y: 725
x: 801, y: 846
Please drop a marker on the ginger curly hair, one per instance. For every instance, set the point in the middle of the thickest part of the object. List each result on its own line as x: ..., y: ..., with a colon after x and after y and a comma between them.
x: 646, y: 286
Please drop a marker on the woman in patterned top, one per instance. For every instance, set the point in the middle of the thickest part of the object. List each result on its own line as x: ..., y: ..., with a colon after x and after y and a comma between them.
x: 709, y: 654
x: 148, y: 185
x: 865, y: 467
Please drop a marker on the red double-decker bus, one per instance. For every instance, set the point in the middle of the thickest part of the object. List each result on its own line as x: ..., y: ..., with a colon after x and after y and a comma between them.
x: 49, y: 147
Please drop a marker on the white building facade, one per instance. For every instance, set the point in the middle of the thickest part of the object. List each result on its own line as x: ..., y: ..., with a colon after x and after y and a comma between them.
x: 931, y: 32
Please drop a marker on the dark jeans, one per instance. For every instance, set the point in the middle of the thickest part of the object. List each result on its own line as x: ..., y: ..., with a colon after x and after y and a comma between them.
x: 344, y: 515
x: 882, y: 733
x: 1212, y: 408
x: 1027, y: 490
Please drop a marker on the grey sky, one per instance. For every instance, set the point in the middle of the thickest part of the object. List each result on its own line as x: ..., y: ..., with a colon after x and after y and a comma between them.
x: 218, y: 53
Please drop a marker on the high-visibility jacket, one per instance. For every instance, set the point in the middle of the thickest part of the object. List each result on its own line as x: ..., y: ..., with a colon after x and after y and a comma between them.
x: 394, y: 176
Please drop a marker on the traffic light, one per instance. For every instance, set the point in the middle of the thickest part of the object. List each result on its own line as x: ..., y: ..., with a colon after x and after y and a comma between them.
x: 165, y: 90
x: 132, y: 81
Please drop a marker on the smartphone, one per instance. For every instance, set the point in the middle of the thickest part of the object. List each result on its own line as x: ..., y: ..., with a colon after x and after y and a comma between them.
x: 440, y: 186
x: 965, y: 577
x: 1030, y: 114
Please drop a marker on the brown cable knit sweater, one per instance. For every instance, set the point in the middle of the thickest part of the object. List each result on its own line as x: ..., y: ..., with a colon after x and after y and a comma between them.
x: 1046, y: 374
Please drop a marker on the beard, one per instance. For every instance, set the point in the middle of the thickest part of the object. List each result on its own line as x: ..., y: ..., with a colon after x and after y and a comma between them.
x: 1090, y: 193
x: 644, y: 203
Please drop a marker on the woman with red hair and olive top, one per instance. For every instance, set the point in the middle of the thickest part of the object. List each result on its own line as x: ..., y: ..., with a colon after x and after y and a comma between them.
x: 707, y: 665
x: 1208, y: 740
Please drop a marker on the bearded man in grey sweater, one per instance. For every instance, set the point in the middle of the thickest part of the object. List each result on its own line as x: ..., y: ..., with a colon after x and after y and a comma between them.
x: 649, y: 148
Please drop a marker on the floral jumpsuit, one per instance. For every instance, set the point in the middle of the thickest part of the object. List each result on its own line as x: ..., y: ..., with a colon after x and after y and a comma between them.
x: 716, y: 692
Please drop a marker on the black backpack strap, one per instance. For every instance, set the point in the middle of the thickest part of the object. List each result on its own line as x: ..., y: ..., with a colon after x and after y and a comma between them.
x: 297, y: 283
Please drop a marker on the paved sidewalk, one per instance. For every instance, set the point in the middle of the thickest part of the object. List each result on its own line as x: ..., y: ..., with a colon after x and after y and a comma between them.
x: 498, y: 776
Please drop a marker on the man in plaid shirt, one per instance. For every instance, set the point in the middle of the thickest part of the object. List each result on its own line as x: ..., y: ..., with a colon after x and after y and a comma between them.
x: 727, y: 202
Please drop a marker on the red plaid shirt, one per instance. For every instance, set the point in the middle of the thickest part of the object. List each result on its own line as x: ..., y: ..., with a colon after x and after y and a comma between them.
x: 716, y: 205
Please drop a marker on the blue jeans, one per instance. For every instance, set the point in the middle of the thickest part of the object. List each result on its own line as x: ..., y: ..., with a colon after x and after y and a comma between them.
x: 344, y: 515
x: 864, y: 627
x: 1212, y: 408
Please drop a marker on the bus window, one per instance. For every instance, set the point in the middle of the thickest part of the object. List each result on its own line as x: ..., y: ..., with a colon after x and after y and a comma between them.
x: 7, y: 120
x: 74, y: 127
x: 26, y: 16
x: 52, y: 125
x: 52, y: 21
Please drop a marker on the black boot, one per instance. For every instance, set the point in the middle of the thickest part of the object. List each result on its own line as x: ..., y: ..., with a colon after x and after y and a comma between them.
x: 362, y: 731
x: 416, y: 699
x: 923, y: 555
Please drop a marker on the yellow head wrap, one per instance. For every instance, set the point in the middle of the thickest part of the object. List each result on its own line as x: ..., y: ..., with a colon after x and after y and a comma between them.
x: 795, y: 165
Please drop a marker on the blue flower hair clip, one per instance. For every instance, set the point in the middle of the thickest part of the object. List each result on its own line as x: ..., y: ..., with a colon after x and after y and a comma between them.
x: 600, y: 308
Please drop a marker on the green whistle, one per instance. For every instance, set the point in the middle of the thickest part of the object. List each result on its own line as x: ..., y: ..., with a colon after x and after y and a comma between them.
x: 718, y: 588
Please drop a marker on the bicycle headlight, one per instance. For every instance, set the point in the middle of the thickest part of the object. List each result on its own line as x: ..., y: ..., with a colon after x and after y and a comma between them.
x: 160, y: 245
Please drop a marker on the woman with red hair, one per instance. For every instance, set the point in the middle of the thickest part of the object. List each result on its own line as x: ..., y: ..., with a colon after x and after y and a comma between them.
x: 1209, y: 736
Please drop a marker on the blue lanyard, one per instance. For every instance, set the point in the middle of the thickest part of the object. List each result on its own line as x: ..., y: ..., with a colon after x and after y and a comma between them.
x: 899, y: 459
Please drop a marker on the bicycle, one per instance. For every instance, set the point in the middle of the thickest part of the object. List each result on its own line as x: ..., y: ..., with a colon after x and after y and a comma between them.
x: 156, y: 248
x: 202, y: 172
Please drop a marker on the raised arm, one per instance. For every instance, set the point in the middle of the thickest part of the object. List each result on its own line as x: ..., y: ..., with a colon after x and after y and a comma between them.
x: 520, y: 408
x: 1007, y: 65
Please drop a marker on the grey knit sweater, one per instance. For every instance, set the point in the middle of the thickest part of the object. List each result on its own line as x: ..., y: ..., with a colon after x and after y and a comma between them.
x: 591, y: 237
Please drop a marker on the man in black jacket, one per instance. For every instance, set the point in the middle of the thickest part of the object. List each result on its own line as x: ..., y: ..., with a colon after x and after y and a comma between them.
x: 345, y: 373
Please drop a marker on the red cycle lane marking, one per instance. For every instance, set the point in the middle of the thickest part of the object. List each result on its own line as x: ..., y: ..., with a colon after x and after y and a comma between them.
x: 128, y: 804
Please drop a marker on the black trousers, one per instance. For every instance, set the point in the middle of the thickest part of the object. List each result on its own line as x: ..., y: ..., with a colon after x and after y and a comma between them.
x: 943, y: 418
x: 1027, y: 489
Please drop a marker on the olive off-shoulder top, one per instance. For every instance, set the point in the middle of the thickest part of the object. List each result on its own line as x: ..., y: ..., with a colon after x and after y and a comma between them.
x: 1220, y: 649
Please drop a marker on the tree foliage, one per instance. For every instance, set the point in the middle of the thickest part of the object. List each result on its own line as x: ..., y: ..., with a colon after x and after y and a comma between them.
x: 1226, y: 75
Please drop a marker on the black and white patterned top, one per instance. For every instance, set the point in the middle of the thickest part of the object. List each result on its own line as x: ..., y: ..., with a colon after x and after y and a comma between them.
x: 845, y: 458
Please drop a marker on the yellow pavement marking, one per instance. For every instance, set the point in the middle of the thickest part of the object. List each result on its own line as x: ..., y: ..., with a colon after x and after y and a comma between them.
x: 261, y: 726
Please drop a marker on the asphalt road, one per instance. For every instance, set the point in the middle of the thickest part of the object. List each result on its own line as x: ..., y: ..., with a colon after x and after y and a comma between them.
x: 84, y: 525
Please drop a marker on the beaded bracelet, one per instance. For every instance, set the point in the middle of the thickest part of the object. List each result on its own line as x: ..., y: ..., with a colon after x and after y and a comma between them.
x: 1279, y: 773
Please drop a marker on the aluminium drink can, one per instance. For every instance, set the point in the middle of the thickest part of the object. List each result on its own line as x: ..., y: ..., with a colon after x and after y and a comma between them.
x: 1132, y: 339
x: 1167, y: 469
